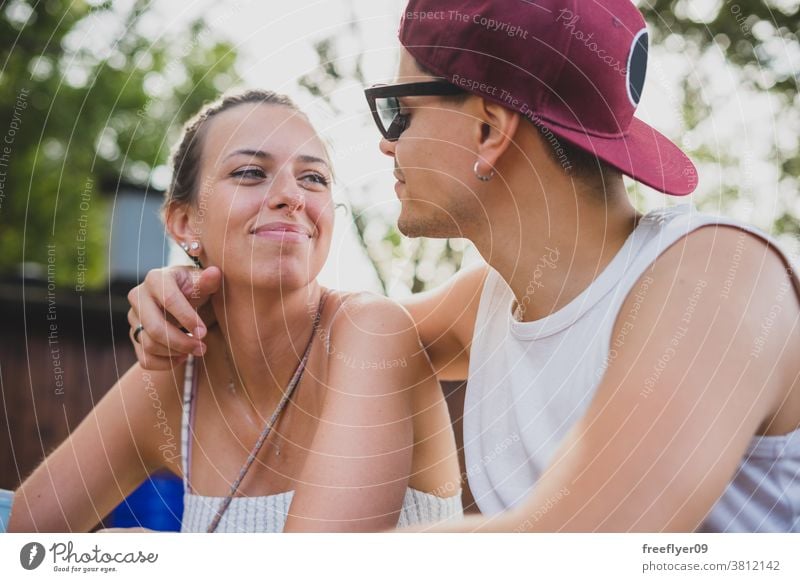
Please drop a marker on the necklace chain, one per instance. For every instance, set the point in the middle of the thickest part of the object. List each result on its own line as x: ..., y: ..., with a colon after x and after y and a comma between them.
x: 232, y: 387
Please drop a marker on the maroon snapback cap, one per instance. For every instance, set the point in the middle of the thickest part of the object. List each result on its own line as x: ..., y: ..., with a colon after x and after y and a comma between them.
x: 575, y: 68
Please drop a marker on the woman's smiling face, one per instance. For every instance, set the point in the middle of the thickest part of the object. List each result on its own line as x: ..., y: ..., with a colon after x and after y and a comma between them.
x: 263, y: 208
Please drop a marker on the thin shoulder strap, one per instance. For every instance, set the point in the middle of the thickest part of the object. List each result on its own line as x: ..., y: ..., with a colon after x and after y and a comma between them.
x: 187, y: 422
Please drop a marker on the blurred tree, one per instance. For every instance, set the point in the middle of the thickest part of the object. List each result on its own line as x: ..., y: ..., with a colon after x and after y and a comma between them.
x: 89, y: 101
x: 760, y: 39
x: 755, y: 34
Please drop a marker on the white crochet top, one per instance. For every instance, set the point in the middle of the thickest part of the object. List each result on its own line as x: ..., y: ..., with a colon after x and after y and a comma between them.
x: 268, y: 513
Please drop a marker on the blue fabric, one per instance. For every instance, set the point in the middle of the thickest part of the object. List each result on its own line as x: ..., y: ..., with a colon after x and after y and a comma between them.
x: 6, y: 499
x: 157, y: 504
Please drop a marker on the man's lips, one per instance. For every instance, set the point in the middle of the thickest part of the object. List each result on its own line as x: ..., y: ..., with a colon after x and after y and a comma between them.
x: 399, y: 177
x: 284, y: 231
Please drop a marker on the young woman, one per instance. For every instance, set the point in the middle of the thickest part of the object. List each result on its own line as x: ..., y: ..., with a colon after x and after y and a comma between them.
x: 304, y: 408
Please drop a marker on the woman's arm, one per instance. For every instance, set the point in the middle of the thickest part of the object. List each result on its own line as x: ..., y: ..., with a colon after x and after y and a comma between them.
x: 357, y: 471
x: 128, y: 435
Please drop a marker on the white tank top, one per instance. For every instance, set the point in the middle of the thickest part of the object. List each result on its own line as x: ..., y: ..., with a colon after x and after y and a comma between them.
x: 268, y: 513
x: 530, y: 382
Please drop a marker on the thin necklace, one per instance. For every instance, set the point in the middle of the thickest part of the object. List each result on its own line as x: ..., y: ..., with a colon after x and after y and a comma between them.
x: 223, y: 507
x: 231, y: 383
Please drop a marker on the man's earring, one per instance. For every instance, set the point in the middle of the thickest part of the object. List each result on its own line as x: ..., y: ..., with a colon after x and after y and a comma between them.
x: 482, y: 177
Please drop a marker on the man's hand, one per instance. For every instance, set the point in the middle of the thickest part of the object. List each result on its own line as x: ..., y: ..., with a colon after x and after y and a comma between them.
x: 168, y: 300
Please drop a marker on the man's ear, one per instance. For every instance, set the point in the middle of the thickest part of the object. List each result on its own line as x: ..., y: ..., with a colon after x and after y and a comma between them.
x: 178, y: 220
x: 497, y: 132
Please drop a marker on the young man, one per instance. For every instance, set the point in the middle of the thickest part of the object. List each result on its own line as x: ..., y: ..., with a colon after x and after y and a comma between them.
x: 626, y: 372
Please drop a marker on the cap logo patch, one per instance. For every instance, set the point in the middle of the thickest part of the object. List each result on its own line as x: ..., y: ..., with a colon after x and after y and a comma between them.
x: 637, y: 66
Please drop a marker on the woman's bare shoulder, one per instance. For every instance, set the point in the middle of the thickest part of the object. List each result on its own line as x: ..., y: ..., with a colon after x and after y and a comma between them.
x: 373, y: 348
x: 366, y: 312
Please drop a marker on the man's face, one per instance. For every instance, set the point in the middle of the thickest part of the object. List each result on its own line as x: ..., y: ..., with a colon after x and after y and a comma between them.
x: 433, y: 161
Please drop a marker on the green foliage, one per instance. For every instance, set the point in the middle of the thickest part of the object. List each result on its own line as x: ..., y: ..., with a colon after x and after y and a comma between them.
x: 760, y: 39
x: 97, y: 104
x: 752, y: 33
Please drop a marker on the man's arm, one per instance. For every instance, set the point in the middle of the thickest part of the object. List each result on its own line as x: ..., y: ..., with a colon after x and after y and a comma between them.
x: 445, y: 319
x: 655, y: 452
x: 169, y: 298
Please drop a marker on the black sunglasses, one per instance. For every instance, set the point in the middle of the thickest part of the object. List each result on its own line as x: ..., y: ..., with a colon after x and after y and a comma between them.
x: 385, y: 107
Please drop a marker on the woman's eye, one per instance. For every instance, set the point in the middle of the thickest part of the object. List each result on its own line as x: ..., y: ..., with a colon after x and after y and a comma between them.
x: 249, y: 173
x: 316, y: 178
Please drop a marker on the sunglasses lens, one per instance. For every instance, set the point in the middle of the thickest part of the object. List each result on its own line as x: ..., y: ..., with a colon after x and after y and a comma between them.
x: 388, y: 110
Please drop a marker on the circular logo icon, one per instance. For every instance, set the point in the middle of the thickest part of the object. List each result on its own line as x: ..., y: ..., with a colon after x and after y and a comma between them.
x: 637, y: 66
x: 31, y: 555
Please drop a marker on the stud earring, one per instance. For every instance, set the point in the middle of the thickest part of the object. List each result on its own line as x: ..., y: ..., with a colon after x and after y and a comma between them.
x: 192, y: 249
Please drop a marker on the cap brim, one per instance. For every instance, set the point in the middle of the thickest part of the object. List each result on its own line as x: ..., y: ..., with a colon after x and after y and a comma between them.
x: 643, y: 153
